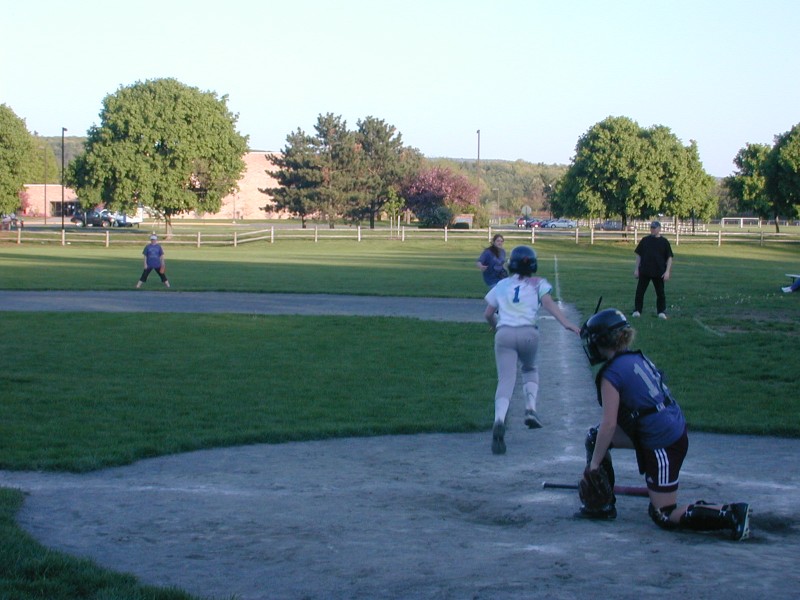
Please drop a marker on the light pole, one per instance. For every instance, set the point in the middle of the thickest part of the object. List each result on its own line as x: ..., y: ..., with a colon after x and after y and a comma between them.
x: 45, y: 183
x: 63, y: 130
x: 478, y: 164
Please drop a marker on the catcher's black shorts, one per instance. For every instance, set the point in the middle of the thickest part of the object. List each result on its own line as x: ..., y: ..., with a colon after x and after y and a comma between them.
x: 662, y: 466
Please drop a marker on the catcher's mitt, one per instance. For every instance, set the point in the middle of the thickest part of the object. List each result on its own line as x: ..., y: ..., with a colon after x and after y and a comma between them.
x: 595, y: 490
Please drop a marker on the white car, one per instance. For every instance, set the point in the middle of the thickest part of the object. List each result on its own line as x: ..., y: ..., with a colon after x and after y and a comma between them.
x: 125, y: 220
x: 562, y: 223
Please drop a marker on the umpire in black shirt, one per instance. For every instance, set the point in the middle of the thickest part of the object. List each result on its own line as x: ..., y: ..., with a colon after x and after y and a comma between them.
x: 653, y: 263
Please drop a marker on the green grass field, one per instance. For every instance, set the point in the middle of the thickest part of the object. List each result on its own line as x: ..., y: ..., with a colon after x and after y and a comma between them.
x: 81, y: 391
x: 724, y: 347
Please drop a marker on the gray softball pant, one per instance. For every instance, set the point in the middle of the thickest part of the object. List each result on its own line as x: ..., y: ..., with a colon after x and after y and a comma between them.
x: 513, y: 344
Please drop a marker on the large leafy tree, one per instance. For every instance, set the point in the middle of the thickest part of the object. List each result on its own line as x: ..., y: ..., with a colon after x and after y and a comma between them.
x: 435, y: 194
x: 17, y: 153
x: 748, y: 183
x: 767, y: 179
x: 622, y: 169
x: 683, y: 186
x: 782, y: 169
x: 609, y: 174
x: 162, y: 144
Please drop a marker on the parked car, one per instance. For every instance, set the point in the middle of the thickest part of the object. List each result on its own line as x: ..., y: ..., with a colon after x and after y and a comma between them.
x: 528, y: 222
x: 610, y: 226
x: 562, y: 223
x: 12, y: 221
x: 524, y: 221
x: 94, y: 218
x: 125, y: 220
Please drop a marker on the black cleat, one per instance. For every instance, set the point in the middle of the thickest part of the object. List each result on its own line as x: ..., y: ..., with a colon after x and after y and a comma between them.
x: 607, y: 513
x: 498, y: 435
x: 532, y: 419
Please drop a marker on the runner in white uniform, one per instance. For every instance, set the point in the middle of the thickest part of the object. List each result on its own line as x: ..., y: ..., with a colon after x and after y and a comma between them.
x: 512, y: 308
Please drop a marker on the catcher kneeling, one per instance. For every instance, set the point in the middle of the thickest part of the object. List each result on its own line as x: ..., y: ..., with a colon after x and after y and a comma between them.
x: 640, y: 413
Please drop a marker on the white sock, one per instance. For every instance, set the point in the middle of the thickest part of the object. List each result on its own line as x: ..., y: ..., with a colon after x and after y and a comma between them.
x: 531, y: 390
x: 500, y: 409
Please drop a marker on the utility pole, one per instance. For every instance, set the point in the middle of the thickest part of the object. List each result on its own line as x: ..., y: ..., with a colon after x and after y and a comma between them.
x: 45, y: 184
x: 478, y: 164
x: 63, y: 130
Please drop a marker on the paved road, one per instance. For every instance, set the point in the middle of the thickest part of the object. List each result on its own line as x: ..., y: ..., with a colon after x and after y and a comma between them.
x: 424, y: 516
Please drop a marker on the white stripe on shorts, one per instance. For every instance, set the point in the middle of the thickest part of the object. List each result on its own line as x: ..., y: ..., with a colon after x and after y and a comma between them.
x: 663, y: 468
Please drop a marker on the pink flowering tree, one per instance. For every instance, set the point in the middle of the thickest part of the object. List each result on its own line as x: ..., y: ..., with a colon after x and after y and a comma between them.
x: 24, y: 202
x: 435, y: 194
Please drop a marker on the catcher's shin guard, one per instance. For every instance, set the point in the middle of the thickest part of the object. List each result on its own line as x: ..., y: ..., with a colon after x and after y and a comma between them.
x: 605, y: 464
x: 734, y: 517
x: 589, y: 443
x: 661, y: 515
x: 608, y: 510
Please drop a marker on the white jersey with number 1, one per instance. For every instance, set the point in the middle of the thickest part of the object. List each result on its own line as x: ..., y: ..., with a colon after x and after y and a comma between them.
x: 517, y: 300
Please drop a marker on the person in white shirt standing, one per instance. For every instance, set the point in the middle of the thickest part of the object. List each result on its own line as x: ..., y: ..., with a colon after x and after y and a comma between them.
x: 512, y: 308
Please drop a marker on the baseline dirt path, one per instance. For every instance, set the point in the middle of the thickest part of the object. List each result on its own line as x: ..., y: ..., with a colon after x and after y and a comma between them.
x: 435, y: 309
x: 424, y: 516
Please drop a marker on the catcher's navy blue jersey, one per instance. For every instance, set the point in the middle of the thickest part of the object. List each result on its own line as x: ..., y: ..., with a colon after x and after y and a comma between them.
x: 641, y: 389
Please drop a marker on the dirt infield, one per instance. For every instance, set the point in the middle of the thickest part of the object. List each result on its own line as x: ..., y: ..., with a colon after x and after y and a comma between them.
x: 424, y: 516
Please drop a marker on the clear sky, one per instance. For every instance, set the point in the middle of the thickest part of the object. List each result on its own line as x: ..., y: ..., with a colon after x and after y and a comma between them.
x: 531, y: 75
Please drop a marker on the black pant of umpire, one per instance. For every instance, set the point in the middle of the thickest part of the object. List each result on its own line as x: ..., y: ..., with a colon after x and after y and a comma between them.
x: 658, y: 286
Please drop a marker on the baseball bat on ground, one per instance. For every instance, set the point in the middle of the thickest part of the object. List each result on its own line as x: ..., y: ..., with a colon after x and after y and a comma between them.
x: 620, y: 490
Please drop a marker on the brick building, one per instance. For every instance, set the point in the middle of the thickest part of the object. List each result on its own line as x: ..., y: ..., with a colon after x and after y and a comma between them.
x: 246, y: 203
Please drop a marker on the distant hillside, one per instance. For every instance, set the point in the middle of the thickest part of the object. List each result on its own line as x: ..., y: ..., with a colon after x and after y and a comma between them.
x: 73, y: 146
x: 509, y: 184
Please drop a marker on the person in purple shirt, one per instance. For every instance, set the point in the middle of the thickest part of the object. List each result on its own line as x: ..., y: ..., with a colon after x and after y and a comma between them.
x: 639, y: 412
x: 153, y: 260
x: 492, y: 262
x: 792, y: 288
